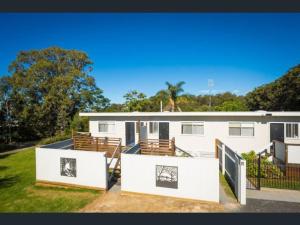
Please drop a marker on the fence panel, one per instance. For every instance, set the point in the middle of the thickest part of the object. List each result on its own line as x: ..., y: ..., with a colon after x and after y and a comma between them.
x: 234, y: 169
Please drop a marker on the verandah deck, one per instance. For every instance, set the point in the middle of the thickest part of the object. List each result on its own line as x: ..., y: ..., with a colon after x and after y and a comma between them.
x: 86, y: 142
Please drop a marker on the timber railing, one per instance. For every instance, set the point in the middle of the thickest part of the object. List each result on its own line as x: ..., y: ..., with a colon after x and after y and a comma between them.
x: 112, y: 146
x: 157, y: 147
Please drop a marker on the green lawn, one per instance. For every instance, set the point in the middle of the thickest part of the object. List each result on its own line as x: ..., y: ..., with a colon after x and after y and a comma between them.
x: 18, y: 192
x: 226, y: 186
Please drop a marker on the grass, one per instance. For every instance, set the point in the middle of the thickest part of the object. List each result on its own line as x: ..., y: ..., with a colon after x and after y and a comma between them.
x: 226, y: 186
x: 53, y: 139
x: 18, y: 192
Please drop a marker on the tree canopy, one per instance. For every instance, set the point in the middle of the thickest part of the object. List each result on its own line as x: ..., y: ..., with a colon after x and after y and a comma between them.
x: 173, y: 91
x: 281, y: 94
x: 47, y: 87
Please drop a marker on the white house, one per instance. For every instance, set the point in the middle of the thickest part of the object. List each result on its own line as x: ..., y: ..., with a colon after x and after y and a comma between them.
x: 195, y: 132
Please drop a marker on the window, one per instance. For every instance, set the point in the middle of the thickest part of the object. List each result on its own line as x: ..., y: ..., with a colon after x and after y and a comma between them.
x: 137, y: 128
x: 292, y: 130
x: 192, y: 128
x: 153, y: 127
x: 245, y: 129
x: 106, y: 127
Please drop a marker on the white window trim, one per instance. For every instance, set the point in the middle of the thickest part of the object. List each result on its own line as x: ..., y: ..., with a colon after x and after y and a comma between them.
x: 240, y: 136
x: 157, y: 127
x: 197, y: 122
x: 158, y: 121
x: 107, y: 121
x: 285, y: 131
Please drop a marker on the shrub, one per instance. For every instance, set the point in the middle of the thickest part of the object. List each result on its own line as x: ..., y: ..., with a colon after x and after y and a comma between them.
x: 267, y: 168
x: 58, y: 137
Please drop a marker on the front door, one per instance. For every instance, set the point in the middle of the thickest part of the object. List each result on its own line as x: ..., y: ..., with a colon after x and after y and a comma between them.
x: 130, y: 133
x: 164, y: 130
x: 277, y: 132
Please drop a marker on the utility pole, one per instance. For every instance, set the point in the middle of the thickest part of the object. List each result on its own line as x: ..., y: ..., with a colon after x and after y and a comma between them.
x: 161, y: 108
x: 210, y: 83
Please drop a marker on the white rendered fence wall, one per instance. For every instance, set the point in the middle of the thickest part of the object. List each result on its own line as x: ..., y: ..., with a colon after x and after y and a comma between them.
x: 293, y: 154
x: 234, y: 168
x: 197, y: 178
x: 90, y: 167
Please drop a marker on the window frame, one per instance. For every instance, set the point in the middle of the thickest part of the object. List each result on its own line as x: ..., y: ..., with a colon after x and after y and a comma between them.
x: 192, y: 122
x: 154, y: 133
x: 285, y: 130
x: 108, y: 122
x: 241, y: 122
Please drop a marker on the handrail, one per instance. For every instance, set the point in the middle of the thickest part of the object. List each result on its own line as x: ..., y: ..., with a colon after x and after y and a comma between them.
x: 113, y: 155
x: 181, y: 150
x: 116, y: 165
x: 265, y: 149
x: 137, y: 146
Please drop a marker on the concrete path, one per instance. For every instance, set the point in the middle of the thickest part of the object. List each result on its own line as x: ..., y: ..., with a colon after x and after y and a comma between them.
x: 272, y: 200
x: 274, y: 195
x: 269, y: 206
x: 114, y: 201
x: 229, y: 204
x: 15, y: 151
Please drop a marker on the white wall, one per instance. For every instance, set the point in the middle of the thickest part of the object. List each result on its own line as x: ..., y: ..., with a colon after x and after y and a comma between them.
x: 293, y: 154
x: 118, y: 133
x: 91, y: 167
x: 198, y: 178
x: 220, y: 130
x: 214, y: 127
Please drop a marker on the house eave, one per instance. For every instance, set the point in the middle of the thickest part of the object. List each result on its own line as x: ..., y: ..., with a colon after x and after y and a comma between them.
x: 162, y: 114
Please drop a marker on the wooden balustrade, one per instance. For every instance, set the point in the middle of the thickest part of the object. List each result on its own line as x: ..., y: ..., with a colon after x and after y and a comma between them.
x: 101, y: 144
x: 157, y: 147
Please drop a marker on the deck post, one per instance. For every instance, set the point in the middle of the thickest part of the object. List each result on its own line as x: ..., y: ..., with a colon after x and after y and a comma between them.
x: 258, y: 172
x: 216, y: 149
x: 97, y: 144
x: 139, y: 130
x: 223, y: 158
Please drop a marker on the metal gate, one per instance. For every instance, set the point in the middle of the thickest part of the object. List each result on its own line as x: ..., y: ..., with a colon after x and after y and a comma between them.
x: 253, y: 174
x: 273, y: 174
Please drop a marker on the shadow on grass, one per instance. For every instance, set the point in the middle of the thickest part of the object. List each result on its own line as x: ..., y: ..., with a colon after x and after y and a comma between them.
x: 8, y: 181
x: 3, y: 168
x: 5, y: 155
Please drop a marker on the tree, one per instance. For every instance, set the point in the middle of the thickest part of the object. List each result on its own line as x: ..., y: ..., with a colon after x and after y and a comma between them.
x: 135, y: 101
x: 174, y: 91
x: 5, y: 109
x: 80, y: 123
x: 160, y: 96
x: 49, y: 87
x: 282, y: 94
x: 232, y: 105
x: 115, y: 108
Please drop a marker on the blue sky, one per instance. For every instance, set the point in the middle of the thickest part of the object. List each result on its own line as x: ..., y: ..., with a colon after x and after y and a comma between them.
x: 143, y: 50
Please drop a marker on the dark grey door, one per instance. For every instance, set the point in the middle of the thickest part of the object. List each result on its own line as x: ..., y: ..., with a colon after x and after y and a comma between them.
x: 130, y: 133
x: 277, y: 132
x: 164, y: 130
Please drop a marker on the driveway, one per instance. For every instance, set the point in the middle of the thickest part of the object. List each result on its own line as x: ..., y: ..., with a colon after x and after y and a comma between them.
x: 260, y: 205
x: 272, y: 200
x: 115, y: 201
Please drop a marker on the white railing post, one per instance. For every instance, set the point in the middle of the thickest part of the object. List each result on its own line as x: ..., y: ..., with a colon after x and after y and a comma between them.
x: 242, y: 186
x: 223, y: 159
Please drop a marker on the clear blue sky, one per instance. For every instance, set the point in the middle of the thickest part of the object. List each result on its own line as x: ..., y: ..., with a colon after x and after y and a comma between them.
x: 142, y: 51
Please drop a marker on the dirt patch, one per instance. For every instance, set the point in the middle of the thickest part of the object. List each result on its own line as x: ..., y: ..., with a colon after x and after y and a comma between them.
x: 115, y: 201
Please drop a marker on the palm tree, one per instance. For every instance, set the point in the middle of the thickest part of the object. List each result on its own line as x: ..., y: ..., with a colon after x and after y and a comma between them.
x: 174, y: 91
